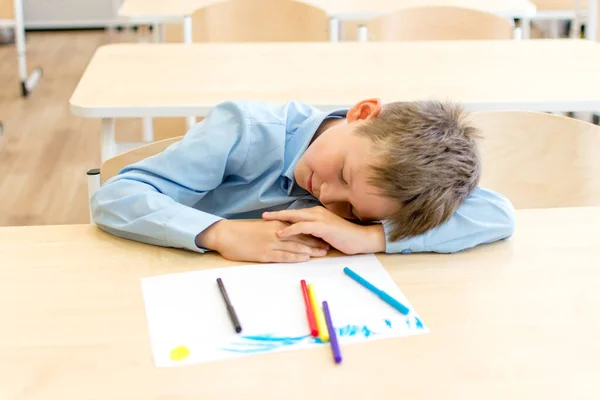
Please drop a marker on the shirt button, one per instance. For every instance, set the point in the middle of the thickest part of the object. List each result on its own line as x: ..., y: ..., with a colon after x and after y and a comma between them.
x: 405, y: 251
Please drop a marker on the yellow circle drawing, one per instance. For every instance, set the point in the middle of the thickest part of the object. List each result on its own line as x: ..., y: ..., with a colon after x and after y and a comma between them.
x: 180, y: 353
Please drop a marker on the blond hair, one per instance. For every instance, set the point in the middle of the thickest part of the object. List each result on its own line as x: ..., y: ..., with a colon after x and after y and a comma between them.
x: 428, y: 160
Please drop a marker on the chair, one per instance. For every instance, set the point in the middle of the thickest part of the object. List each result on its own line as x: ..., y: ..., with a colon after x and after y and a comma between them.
x: 112, y: 166
x: 555, y: 11
x: 260, y: 21
x: 540, y: 160
x: 247, y: 21
x: 437, y: 23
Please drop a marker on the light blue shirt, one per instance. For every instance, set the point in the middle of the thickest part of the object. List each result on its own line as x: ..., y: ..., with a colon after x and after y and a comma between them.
x: 239, y: 162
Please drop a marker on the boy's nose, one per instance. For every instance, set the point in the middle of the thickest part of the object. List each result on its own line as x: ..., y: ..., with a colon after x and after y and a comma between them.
x: 326, y: 194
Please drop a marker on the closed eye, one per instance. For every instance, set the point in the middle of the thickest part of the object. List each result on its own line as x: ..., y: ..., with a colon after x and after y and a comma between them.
x: 342, y: 178
x: 350, y: 212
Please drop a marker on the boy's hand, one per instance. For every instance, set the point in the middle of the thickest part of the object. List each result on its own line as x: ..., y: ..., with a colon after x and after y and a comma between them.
x: 257, y: 241
x: 347, y: 237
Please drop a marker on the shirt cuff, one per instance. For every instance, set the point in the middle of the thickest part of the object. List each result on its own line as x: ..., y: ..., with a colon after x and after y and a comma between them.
x: 413, y: 244
x: 183, y: 228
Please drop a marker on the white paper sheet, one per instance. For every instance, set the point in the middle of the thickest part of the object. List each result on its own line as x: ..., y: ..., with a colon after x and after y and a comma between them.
x: 189, y: 323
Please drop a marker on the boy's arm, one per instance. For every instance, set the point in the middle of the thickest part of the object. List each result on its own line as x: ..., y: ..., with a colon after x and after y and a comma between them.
x: 484, y: 217
x: 151, y: 201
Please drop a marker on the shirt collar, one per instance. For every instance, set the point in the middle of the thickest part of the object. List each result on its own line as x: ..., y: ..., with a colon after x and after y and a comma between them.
x: 299, y: 142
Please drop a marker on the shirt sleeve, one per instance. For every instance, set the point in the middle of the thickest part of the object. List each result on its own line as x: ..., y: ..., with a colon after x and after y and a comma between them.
x: 152, y: 201
x: 484, y: 217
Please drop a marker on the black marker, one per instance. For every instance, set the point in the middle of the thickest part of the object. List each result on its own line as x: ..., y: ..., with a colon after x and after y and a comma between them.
x: 234, y: 319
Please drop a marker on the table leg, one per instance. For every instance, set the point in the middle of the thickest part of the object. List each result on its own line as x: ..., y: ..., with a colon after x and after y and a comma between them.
x: 159, y: 32
x: 148, y: 129
x: 188, y: 39
x: 28, y: 83
x: 93, y: 176
x: 334, y: 30
x: 188, y: 36
x: 591, y: 29
x: 108, y: 145
x: 363, y: 34
x: 526, y: 28
x: 191, y: 121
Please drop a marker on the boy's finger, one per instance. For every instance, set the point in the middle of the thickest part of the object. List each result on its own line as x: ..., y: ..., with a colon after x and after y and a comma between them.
x: 306, y: 228
x: 292, y: 216
x: 299, y: 248
x: 284, y: 256
x: 308, y: 240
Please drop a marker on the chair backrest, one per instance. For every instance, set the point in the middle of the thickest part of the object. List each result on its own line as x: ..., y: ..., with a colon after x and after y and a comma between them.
x: 247, y: 21
x: 259, y: 21
x: 112, y: 166
x: 540, y: 160
x: 6, y: 9
x: 439, y: 23
x: 547, y: 5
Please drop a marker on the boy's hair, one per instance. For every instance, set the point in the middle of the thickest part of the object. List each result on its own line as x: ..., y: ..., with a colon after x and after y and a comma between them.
x: 428, y: 160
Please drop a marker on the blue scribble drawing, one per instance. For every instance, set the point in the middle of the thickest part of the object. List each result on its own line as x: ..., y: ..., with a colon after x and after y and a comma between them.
x: 269, y: 342
x: 262, y: 343
x: 419, y: 323
x: 251, y: 344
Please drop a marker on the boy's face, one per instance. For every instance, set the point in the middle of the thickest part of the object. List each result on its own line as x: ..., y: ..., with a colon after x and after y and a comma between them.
x: 335, y: 168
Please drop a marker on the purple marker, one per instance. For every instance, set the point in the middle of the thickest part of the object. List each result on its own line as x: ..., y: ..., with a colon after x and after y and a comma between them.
x: 335, y: 347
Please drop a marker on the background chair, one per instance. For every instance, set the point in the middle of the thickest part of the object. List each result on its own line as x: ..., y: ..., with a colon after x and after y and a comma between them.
x: 556, y: 11
x: 112, y: 166
x: 540, y: 160
x: 437, y: 23
x: 247, y: 21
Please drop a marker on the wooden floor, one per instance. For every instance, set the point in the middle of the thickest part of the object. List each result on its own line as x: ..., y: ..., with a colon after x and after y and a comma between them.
x: 45, y: 150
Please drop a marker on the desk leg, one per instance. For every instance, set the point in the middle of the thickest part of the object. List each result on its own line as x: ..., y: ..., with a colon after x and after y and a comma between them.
x: 28, y: 83
x: 159, y: 32
x: 148, y: 130
x: 526, y: 28
x: 188, y: 33
x: 93, y: 186
x: 109, y: 146
x: 591, y: 28
x: 188, y: 39
x: 363, y: 34
x: 191, y: 121
x: 334, y: 30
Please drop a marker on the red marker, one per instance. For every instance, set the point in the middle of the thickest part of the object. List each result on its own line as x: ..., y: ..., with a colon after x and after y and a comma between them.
x: 312, y: 322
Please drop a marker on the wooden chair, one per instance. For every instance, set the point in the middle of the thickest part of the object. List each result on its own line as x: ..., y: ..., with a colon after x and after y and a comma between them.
x: 438, y: 23
x: 260, y: 21
x: 247, y: 21
x: 112, y: 166
x: 540, y: 160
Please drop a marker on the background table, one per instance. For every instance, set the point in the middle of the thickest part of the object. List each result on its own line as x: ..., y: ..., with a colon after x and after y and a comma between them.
x: 347, y: 10
x: 178, y: 80
x: 514, y: 319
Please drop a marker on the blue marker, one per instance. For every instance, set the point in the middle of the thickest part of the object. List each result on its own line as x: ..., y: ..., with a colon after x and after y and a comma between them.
x: 380, y: 293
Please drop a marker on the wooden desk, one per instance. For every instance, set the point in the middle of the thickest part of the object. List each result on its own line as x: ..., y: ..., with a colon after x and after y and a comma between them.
x: 517, y: 319
x: 178, y: 80
x: 347, y: 10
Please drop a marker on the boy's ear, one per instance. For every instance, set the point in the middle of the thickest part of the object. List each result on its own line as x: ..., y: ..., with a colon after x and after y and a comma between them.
x: 364, y: 110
